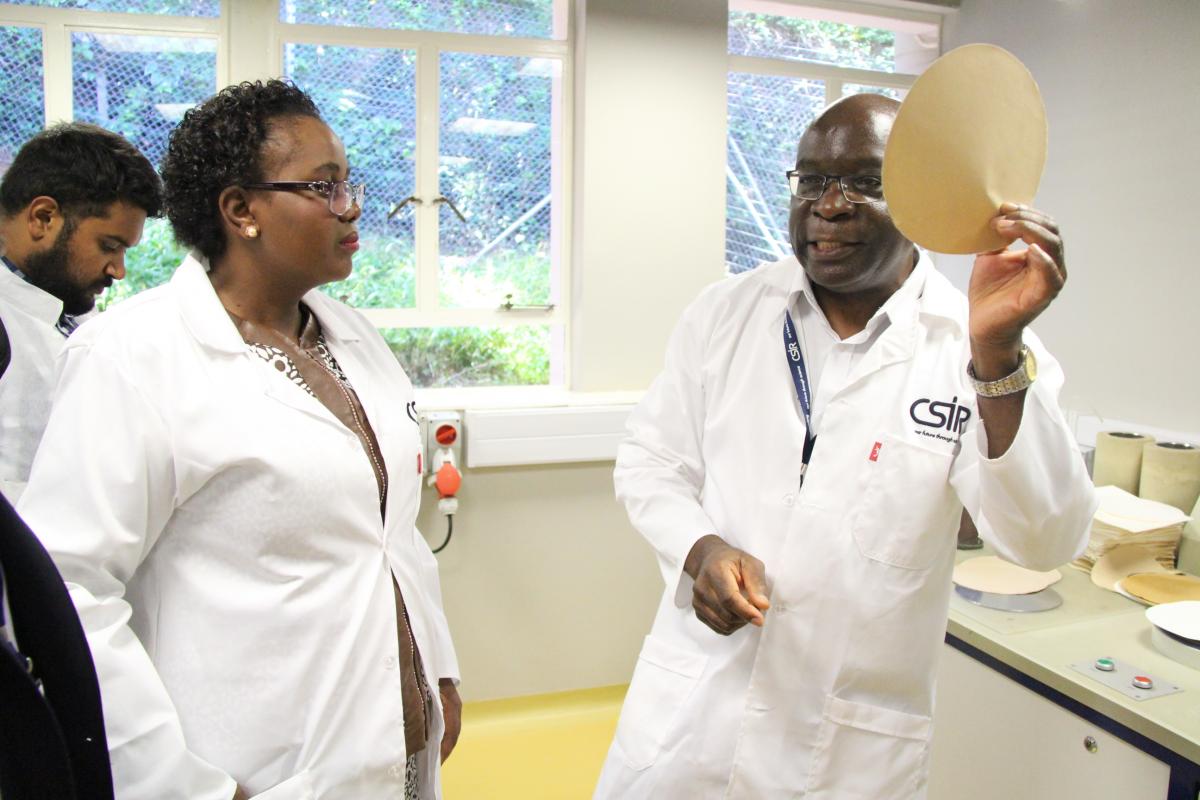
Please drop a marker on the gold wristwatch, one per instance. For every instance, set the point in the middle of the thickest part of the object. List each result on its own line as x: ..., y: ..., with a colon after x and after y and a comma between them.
x: 1016, y: 381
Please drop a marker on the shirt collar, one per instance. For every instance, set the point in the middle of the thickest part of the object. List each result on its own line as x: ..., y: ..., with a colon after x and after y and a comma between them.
x: 14, y: 269
x: 38, y: 301
x: 900, y: 307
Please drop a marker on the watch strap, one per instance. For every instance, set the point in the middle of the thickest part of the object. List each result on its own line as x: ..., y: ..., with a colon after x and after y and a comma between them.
x: 1017, y: 380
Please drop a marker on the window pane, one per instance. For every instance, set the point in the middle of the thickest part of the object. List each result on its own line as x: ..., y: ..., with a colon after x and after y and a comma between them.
x: 533, y: 18
x: 367, y: 95
x: 860, y: 88
x: 21, y: 88
x: 444, y: 357
x: 824, y: 42
x: 767, y: 114
x: 178, y: 8
x: 496, y: 157
x: 140, y: 86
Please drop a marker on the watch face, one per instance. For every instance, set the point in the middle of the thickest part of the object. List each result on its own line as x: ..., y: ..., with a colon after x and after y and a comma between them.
x: 1030, y: 365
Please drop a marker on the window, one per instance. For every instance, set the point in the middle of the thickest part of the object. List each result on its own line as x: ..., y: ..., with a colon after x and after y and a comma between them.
x: 452, y: 113
x: 457, y: 106
x: 133, y: 66
x: 787, y: 62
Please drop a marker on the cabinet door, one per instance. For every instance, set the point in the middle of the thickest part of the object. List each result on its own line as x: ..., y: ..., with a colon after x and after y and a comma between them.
x: 995, y: 739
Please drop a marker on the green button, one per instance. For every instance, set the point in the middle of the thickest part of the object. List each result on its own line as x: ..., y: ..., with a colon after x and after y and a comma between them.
x: 1105, y: 664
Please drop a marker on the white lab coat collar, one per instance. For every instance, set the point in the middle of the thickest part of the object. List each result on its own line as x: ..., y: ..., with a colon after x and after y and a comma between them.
x: 925, y: 291
x: 899, y: 309
x: 207, y: 320
x: 38, y: 303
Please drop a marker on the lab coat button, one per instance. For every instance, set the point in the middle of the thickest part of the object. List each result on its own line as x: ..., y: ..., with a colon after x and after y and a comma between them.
x: 396, y: 771
x: 789, y: 499
x: 389, y: 662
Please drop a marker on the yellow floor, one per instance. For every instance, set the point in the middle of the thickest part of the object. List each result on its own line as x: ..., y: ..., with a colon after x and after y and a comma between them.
x: 544, y: 747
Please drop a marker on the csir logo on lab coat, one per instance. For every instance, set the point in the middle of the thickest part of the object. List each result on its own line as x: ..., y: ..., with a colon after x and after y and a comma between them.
x: 940, y: 416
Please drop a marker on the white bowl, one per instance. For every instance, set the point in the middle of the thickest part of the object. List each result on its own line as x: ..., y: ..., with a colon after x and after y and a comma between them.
x: 1181, y: 619
x: 1173, y: 649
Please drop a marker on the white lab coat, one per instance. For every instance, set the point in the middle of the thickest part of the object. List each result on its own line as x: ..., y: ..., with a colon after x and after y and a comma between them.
x: 832, y: 699
x: 219, y: 530
x: 29, y: 316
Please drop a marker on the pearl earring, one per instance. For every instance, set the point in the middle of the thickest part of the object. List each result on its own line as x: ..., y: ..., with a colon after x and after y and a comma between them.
x: 252, y: 231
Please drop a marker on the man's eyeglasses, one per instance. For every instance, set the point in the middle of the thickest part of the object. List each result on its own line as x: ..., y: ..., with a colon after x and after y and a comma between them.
x: 855, y: 188
x: 342, y: 194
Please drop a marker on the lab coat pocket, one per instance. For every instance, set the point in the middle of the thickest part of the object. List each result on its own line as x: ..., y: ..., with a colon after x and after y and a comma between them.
x: 662, y: 681
x: 906, y: 509
x: 866, y: 752
x: 297, y: 787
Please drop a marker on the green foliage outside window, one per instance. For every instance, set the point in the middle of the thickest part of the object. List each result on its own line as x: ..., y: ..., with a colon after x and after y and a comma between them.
x: 443, y: 357
x: 820, y: 41
x: 532, y: 18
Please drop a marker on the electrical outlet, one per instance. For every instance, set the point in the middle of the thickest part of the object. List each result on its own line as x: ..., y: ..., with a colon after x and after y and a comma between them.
x: 442, y: 431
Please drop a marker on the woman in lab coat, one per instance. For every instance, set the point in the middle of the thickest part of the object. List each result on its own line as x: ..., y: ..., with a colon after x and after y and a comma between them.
x: 229, y: 482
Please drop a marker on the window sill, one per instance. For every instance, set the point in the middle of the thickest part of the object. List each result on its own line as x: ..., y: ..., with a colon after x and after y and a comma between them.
x: 515, y: 426
x: 518, y: 397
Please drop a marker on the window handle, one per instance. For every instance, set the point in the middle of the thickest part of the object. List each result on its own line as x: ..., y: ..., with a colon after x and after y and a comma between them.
x: 412, y: 198
x: 441, y: 198
x: 509, y: 305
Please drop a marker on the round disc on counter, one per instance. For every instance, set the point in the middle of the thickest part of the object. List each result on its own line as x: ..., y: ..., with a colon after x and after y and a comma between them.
x: 996, y: 576
x: 970, y: 135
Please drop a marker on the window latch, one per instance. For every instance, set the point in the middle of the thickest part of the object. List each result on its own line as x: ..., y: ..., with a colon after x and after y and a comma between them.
x: 412, y: 198
x: 509, y: 305
x: 441, y: 198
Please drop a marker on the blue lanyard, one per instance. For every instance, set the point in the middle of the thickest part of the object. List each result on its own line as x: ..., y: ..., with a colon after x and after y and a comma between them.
x: 795, y: 357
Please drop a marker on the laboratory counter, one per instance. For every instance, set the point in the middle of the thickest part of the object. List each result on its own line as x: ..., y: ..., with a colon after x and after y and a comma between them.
x: 1037, y: 651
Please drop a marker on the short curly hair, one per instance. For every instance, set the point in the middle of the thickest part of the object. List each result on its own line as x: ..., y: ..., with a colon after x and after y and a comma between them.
x: 85, y: 168
x: 218, y: 144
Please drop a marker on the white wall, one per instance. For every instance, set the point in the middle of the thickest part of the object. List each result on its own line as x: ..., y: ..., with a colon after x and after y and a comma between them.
x: 1120, y: 81
x: 547, y: 586
x: 649, y: 179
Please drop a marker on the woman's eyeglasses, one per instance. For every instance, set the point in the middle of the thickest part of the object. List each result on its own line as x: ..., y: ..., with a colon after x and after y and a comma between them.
x: 342, y: 195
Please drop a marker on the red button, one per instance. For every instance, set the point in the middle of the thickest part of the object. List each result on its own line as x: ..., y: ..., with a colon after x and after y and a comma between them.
x: 446, y: 435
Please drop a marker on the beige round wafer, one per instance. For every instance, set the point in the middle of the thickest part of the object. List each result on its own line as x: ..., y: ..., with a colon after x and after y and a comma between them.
x: 1158, y: 588
x: 970, y: 135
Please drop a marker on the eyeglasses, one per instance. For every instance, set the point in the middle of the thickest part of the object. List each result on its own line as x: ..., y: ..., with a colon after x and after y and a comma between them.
x: 855, y: 188
x: 342, y: 194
